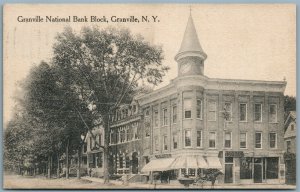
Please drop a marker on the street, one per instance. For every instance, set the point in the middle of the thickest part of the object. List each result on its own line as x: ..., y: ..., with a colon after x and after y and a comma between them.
x: 27, y: 182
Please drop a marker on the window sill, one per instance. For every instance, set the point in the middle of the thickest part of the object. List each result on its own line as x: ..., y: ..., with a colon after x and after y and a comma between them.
x: 243, y: 121
x: 273, y: 122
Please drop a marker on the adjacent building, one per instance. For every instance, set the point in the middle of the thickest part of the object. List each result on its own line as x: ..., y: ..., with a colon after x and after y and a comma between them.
x: 290, y: 147
x: 197, y: 123
x: 92, y: 156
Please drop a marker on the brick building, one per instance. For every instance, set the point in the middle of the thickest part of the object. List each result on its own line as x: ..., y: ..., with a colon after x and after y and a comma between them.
x: 197, y: 123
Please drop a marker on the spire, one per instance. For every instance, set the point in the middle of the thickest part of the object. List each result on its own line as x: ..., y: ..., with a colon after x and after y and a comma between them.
x: 190, y: 42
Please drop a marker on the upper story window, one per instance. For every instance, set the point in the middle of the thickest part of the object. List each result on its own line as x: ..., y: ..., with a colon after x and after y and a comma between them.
x: 292, y: 127
x: 147, y: 128
x: 147, y: 112
x: 258, y: 140
x: 165, y: 141
x: 212, y: 140
x: 187, y: 138
x: 227, y: 140
x: 258, y: 112
x: 288, y: 146
x: 272, y: 113
x: 187, y: 104
x: 156, y: 143
x: 174, y: 114
x: 165, y: 116
x: 228, y: 111
x: 199, y: 109
x: 273, y: 140
x: 156, y: 118
x: 175, y: 141
x: 243, y: 140
x: 212, y: 108
x: 199, y: 138
x: 243, y: 112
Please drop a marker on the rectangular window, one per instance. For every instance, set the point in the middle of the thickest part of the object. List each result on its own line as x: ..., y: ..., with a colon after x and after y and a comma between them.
x: 243, y: 112
x: 212, y: 140
x: 243, y: 140
x: 191, y: 172
x: 156, y: 143
x: 272, y: 168
x: 174, y: 113
x: 258, y: 140
x: 165, y: 116
x: 165, y: 140
x: 227, y: 142
x: 199, y: 109
x: 199, y: 138
x: 272, y: 113
x: 121, y: 161
x: 228, y: 111
x: 212, y: 111
x: 273, y: 140
x: 135, y: 131
x: 258, y: 112
x: 175, y: 141
x: 100, y: 139
x: 187, y: 138
x: 156, y: 118
x: 288, y: 146
x: 187, y: 103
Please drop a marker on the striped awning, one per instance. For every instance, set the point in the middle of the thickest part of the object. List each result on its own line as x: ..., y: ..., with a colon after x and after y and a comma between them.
x: 214, y: 163
x: 191, y: 161
x: 158, y: 165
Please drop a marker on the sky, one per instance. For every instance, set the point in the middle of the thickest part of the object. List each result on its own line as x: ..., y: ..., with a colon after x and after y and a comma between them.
x: 255, y: 42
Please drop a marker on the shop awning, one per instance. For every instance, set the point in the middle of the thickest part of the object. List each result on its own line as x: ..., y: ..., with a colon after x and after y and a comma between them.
x: 201, y: 162
x: 158, y: 165
x: 179, y: 163
x: 191, y: 161
x: 214, y: 163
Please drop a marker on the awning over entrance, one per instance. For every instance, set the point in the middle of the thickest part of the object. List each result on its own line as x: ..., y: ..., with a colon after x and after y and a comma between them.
x: 158, y: 165
x: 189, y: 162
x: 214, y: 163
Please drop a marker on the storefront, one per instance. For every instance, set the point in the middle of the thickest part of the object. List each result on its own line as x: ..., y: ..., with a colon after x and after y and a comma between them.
x: 241, y: 168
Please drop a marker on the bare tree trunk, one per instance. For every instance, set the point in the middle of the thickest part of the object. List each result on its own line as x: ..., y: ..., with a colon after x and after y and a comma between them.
x: 67, y: 160
x: 57, y: 171
x: 78, y: 162
x: 106, y: 150
x: 49, y: 167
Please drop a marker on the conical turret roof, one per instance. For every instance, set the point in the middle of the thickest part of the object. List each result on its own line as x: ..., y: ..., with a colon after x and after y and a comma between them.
x: 190, y: 42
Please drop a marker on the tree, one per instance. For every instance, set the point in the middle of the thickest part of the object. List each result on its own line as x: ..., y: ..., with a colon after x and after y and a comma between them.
x: 289, y: 105
x: 53, y: 109
x: 105, y: 67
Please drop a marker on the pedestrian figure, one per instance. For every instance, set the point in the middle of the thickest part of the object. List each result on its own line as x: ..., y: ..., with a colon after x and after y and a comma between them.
x: 90, y: 172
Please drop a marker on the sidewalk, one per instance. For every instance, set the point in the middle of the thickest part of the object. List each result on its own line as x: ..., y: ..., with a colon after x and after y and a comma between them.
x: 179, y: 186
